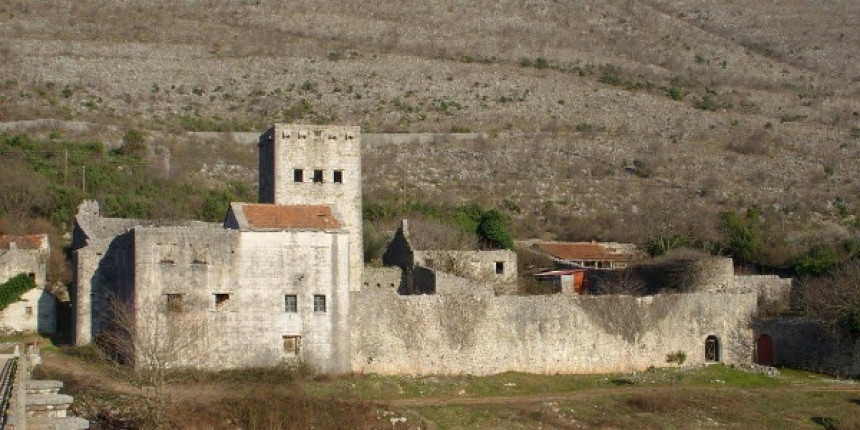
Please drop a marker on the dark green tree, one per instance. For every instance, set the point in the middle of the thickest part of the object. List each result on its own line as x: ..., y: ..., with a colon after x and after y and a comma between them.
x: 493, y: 231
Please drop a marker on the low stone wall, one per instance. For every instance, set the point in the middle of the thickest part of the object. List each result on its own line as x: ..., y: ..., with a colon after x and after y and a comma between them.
x: 385, y: 278
x: 449, y: 334
x: 447, y: 283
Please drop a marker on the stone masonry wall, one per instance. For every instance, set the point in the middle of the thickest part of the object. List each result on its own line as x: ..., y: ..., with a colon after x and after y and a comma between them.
x: 36, y: 311
x: 334, y: 151
x: 803, y: 344
x: 494, y: 266
x: 385, y: 278
x: 543, y: 334
x: 251, y: 273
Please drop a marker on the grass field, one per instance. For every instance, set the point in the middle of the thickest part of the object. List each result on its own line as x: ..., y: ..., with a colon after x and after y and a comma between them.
x: 667, y: 398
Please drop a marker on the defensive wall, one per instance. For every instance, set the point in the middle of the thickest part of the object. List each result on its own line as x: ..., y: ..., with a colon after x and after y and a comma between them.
x: 447, y: 334
x: 804, y: 344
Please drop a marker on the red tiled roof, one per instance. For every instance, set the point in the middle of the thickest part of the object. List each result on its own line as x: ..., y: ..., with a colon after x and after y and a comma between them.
x: 32, y: 241
x: 317, y: 217
x: 581, y: 251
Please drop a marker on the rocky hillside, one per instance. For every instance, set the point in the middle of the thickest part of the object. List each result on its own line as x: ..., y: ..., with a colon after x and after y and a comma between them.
x: 612, y: 119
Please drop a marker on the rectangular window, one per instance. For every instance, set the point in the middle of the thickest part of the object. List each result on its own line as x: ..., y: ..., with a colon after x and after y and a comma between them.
x: 29, y: 311
x: 500, y: 267
x: 221, y: 300
x: 292, y: 345
x: 338, y: 176
x: 174, y: 303
x: 291, y: 303
x: 298, y: 175
x: 319, y: 303
x: 318, y: 176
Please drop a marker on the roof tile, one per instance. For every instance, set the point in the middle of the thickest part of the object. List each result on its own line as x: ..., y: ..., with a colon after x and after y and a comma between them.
x: 262, y: 216
x: 31, y: 241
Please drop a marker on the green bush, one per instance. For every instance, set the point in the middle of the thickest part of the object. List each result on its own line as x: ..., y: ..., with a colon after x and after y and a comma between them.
x: 11, y: 291
x: 133, y: 144
x: 493, y: 231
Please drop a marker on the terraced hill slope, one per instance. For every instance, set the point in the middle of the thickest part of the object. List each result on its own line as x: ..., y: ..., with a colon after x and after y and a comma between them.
x: 612, y: 119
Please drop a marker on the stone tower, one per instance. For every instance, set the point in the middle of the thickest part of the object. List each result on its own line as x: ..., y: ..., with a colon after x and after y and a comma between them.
x: 314, y: 165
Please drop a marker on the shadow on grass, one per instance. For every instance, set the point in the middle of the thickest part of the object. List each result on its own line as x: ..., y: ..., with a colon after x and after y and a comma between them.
x: 826, y: 422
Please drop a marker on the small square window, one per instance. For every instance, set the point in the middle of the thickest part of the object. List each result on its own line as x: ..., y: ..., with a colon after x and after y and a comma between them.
x: 338, y: 176
x: 500, y: 267
x: 174, y: 303
x: 291, y: 303
x: 221, y: 300
x: 292, y: 345
x: 298, y: 175
x: 318, y: 176
x: 319, y: 303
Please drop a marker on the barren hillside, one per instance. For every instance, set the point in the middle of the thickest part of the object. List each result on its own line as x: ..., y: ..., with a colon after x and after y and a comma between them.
x: 611, y: 119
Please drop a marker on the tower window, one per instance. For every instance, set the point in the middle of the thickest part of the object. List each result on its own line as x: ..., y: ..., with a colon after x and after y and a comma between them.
x: 500, y: 267
x: 298, y: 175
x: 338, y: 176
x: 318, y: 176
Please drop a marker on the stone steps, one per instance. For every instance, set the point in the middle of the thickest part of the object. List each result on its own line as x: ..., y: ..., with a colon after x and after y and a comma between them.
x: 55, y: 423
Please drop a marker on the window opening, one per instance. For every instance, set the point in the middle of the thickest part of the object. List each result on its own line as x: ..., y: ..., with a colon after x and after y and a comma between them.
x: 338, y: 176
x: 29, y: 311
x: 298, y: 175
x: 291, y: 303
x: 174, y: 303
x: 221, y: 300
x: 318, y: 176
x: 319, y: 303
x: 500, y: 267
x: 292, y: 344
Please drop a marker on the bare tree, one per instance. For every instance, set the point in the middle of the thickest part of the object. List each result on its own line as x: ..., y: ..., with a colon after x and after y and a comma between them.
x: 149, y: 340
x: 833, y: 300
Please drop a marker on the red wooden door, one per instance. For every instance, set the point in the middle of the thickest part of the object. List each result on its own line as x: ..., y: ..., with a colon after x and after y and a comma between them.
x: 764, y: 349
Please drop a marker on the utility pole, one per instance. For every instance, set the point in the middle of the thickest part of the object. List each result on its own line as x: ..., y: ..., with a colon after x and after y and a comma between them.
x: 84, y: 180
x: 66, y: 168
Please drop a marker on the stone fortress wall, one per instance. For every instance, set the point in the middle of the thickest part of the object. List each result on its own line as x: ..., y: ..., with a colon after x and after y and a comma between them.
x: 446, y: 334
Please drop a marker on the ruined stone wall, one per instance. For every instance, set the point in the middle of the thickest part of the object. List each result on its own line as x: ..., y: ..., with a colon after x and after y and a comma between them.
x: 495, y: 266
x: 103, y: 269
x: 803, y: 344
x: 36, y: 312
x: 447, y: 283
x: 233, y: 289
x: 334, y: 151
x: 384, y: 278
x: 445, y: 334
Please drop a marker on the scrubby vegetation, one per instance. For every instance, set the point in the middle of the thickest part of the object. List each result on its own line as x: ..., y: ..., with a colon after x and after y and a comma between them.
x: 11, y: 290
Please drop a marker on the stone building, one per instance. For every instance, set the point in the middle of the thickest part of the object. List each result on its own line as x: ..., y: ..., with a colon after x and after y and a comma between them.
x: 36, y: 311
x: 280, y: 281
x: 450, y: 271
x: 269, y: 285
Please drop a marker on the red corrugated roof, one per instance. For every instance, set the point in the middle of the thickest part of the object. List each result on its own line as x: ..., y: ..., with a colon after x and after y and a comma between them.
x: 581, y: 251
x: 32, y: 241
x: 316, y: 217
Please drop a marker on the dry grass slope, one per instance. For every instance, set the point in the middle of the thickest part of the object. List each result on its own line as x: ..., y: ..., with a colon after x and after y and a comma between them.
x: 604, y: 119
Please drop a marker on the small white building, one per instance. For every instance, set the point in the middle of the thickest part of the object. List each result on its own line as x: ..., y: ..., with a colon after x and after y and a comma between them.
x: 36, y: 311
